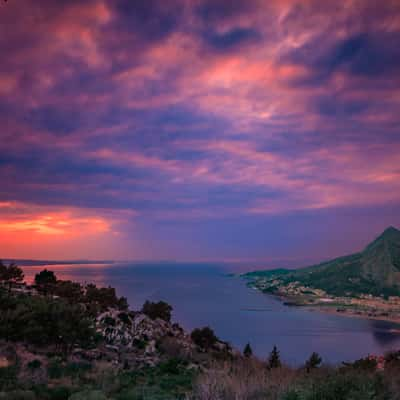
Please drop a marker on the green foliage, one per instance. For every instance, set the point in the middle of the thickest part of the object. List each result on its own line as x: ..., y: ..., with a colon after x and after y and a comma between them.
x: 18, y: 395
x: 168, y: 381
x: 34, y: 364
x: 52, y: 393
x: 45, y: 281
x: 373, y: 271
x: 58, y: 369
x: 313, y: 362
x: 103, y: 298
x: 274, y: 359
x: 109, y: 320
x: 89, y: 395
x: 72, y: 291
x: 55, y: 369
x: 204, y: 337
x: 339, y: 386
x: 45, y: 321
x: 157, y: 310
x: 392, y: 359
x: 8, y: 377
x: 363, y: 364
x: 247, y: 351
x: 124, y: 317
x: 10, y: 275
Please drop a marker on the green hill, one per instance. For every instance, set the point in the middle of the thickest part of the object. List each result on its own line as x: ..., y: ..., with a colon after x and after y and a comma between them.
x: 375, y: 270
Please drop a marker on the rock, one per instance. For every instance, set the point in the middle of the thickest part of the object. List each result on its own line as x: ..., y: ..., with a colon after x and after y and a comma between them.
x: 137, y: 339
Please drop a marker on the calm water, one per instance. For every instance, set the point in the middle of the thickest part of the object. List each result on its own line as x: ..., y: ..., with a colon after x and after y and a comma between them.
x: 204, y: 295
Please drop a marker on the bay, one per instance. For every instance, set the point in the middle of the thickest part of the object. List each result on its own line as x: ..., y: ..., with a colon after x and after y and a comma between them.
x: 204, y: 295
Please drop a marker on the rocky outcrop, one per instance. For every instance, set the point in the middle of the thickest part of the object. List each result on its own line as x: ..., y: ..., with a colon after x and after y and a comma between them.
x: 139, y: 340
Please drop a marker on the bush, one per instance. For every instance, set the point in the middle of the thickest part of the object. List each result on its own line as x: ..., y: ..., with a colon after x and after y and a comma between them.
x: 124, y: 317
x: 55, y: 369
x: 344, y: 386
x: 109, y: 320
x: 89, y: 395
x: 45, y: 321
x: 160, y: 310
x: 8, y: 377
x: 45, y: 281
x: 34, y: 364
x: 52, y: 393
x: 18, y: 395
x: 103, y: 298
x: 313, y: 362
x: 204, y: 337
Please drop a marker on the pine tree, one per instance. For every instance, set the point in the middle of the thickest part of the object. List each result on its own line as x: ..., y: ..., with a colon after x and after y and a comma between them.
x: 11, y: 275
x: 274, y: 360
x: 313, y: 362
x: 247, y: 352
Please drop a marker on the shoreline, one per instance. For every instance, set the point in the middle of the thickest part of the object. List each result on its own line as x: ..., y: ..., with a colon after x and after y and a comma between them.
x: 332, y: 310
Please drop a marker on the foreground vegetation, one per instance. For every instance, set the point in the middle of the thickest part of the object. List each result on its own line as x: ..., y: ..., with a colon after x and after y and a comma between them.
x: 51, y: 348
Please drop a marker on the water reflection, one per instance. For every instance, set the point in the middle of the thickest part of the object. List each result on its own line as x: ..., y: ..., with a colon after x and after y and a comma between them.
x: 384, y: 332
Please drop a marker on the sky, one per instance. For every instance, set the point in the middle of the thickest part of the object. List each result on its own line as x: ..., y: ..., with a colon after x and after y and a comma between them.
x: 198, y: 130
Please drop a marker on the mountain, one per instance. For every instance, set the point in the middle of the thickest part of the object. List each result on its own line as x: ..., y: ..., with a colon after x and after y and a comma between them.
x: 375, y: 270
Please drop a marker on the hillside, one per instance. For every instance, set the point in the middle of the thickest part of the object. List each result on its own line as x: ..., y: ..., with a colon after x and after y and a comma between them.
x: 60, y: 340
x: 375, y: 270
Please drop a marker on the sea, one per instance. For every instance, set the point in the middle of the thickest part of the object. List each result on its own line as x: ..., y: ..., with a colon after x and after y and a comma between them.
x: 206, y: 294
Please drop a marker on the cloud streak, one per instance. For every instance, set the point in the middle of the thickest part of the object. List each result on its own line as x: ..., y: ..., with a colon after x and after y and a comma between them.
x: 195, y: 109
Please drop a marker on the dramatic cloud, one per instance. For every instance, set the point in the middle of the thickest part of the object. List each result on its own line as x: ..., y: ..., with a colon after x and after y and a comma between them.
x: 156, y: 124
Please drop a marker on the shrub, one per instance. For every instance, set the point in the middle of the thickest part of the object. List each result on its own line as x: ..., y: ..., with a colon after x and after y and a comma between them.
x: 89, y: 395
x: 11, y: 274
x: 247, y: 351
x: 160, y: 310
x: 8, y: 377
x: 313, y: 362
x: 274, y: 359
x: 109, y: 321
x: 34, y: 364
x: 124, y: 317
x: 72, y: 291
x: 103, y: 298
x: 45, y: 321
x: 52, y: 393
x: 204, y: 337
x: 18, y: 395
x: 45, y: 281
x: 55, y: 369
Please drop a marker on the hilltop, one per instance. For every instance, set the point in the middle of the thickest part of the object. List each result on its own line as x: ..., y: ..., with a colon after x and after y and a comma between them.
x: 375, y: 270
x: 365, y: 283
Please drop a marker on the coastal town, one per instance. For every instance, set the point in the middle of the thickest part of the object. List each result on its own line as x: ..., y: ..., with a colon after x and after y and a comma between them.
x: 364, y: 305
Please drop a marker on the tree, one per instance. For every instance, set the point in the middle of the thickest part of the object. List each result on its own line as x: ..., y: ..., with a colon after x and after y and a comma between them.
x: 45, y: 280
x: 247, y: 352
x: 313, y: 362
x: 46, y: 321
x: 11, y: 275
x: 274, y: 359
x: 103, y: 298
x: 204, y: 337
x: 72, y: 291
x: 157, y: 310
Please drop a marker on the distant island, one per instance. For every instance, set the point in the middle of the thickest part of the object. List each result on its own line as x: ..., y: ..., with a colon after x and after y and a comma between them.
x: 365, y: 284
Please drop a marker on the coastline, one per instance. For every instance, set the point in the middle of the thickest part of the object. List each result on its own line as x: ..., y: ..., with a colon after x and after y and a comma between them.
x: 333, y: 309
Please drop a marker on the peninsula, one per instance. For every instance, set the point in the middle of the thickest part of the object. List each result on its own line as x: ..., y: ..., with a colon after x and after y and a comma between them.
x: 364, y: 284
